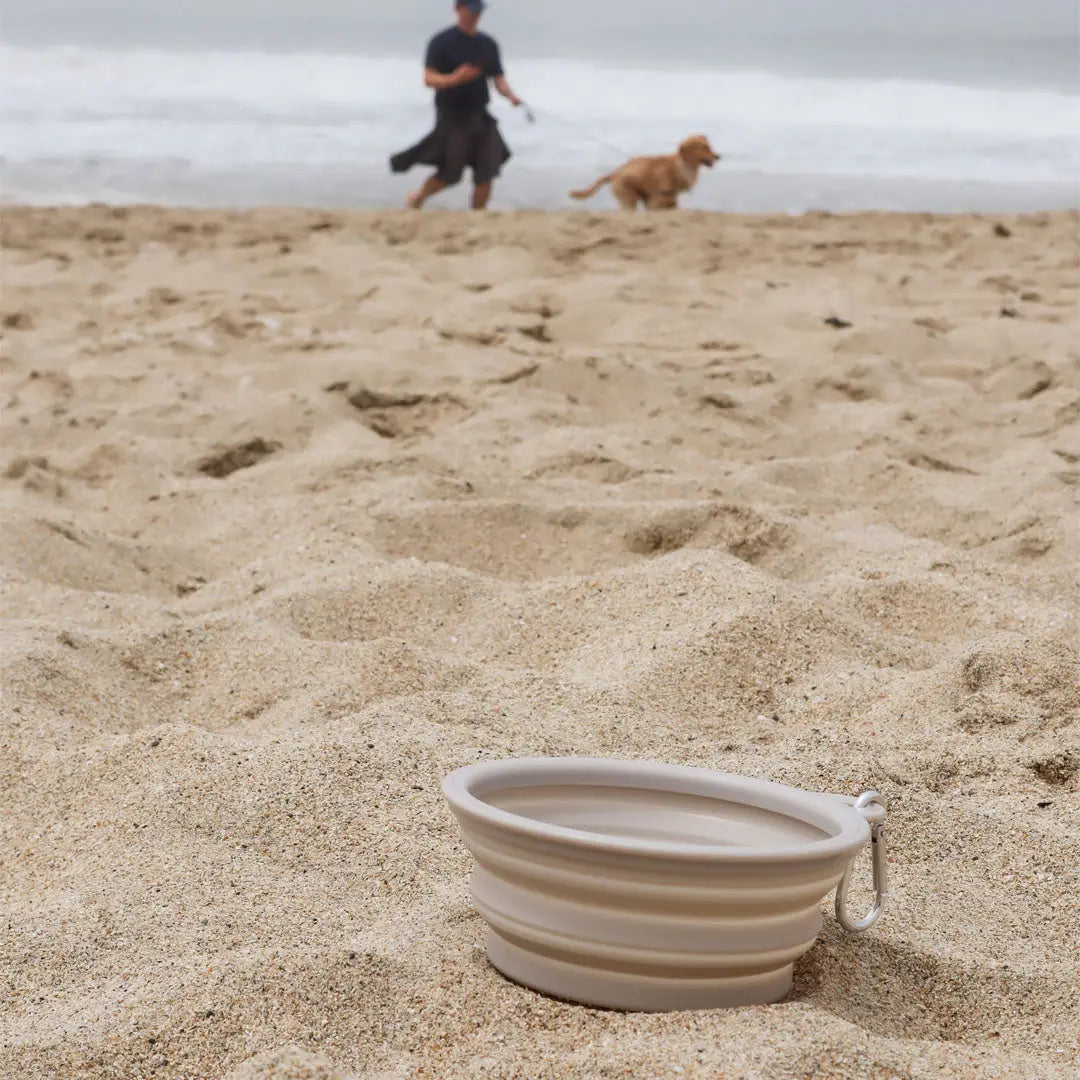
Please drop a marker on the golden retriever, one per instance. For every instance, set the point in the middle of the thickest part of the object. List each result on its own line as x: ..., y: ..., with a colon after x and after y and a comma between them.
x: 656, y: 181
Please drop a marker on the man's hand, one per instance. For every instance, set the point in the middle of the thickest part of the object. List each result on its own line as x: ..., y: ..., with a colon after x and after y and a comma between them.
x: 436, y: 80
x: 465, y: 73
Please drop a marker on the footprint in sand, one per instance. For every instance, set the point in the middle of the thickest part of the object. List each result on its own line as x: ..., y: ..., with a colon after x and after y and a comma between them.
x: 229, y: 459
x: 400, y: 414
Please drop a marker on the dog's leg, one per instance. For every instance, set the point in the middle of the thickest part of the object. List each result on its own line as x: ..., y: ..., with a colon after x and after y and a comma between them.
x: 625, y: 194
x: 662, y: 200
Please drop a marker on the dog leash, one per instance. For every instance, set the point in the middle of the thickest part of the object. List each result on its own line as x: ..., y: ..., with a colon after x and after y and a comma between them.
x: 531, y: 115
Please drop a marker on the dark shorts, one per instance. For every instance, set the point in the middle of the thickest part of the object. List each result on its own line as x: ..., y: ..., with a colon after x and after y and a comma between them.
x: 459, y: 141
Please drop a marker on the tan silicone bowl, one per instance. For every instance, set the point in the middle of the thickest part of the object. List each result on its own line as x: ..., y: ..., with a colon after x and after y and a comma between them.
x: 637, y: 885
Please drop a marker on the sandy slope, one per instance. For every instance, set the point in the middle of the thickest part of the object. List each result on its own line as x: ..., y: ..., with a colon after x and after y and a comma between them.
x: 301, y: 511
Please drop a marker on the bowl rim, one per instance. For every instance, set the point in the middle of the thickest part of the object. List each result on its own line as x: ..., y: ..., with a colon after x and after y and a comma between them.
x: 460, y: 790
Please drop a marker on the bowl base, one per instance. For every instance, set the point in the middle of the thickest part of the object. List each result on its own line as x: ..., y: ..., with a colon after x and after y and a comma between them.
x: 632, y: 992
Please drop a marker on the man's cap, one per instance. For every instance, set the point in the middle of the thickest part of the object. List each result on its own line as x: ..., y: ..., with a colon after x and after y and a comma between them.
x: 472, y: 5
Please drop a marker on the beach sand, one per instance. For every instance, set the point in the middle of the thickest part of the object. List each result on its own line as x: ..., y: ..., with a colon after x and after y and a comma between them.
x: 304, y: 510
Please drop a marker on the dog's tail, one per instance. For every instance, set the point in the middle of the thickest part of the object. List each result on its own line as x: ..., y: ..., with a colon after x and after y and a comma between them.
x: 585, y: 193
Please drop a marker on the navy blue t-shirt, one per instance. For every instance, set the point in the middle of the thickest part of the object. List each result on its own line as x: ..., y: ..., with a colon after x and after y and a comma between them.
x: 451, y: 48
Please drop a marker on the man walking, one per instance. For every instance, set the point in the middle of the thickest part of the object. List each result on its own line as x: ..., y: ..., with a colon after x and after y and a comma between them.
x: 458, y: 65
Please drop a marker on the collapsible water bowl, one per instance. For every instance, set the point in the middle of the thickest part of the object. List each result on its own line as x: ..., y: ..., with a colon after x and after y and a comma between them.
x: 640, y: 886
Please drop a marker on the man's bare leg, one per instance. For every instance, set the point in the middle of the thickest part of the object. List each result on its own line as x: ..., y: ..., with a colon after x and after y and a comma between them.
x: 480, y: 196
x: 431, y: 186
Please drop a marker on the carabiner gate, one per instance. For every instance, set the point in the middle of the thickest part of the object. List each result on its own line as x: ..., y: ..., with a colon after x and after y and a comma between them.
x: 880, y: 865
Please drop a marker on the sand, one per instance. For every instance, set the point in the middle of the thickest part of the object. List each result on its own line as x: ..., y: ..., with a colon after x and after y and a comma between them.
x: 302, y: 511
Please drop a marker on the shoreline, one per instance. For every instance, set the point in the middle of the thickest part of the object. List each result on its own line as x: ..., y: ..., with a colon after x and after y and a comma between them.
x: 342, y: 187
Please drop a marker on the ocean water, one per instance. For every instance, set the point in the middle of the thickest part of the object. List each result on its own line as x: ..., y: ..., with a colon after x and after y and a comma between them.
x: 242, y: 127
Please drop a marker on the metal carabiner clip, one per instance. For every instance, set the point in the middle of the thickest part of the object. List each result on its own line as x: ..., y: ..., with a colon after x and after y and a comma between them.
x: 880, y: 864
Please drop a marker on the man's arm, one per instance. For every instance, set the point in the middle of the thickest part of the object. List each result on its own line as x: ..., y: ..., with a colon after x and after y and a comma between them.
x: 504, y: 88
x: 498, y: 77
x: 435, y: 80
x: 434, y: 59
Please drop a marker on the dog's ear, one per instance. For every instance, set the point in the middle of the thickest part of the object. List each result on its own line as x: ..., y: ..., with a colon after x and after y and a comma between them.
x: 688, y: 147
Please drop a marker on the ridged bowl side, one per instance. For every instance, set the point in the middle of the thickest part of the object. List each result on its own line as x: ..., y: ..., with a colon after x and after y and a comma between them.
x: 650, y: 926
